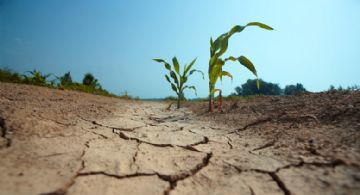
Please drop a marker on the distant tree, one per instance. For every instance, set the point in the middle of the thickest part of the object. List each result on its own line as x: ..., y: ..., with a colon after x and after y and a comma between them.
x: 65, y: 79
x: 238, y: 91
x: 294, y: 89
x: 353, y: 88
x: 250, y: 88
x: 91, y: 81
x: 331, y: 88
x: 340, y: 88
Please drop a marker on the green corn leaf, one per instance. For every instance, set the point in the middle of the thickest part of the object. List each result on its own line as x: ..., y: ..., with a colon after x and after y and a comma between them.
x: 191, y: 87
x: 187, y: 68
x: 225, y: 38
x: 167, y: 78
x: 174, y: 88
x: 216, y: 70
x: 173, y: 76
x: 167, y: 65
x: 232, y: 58
x: 212, y: 49
x: 225, y: 73
x: 176, y: 65
x: 261, y: 25
x: 248, y: 64
x: 159, y: 60
x: 214, y: 90
x: 199, y: 71
x: 236, y: 29
x: 212, y: 62
x: 184, y: 79
x: 217, y: 43
x: 258, y: 83
x: 224, y: 46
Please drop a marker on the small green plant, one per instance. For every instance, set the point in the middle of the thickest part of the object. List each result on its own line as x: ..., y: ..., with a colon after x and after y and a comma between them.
x: 65, y: 79
x: 90, y: 80
x: 36, y: 78
x: 216, y: 62
x: 179, y: 79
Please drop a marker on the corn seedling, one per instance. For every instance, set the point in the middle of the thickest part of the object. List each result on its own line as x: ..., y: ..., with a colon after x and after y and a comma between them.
x: 178, y: 79
x: 36, y: 78
x: 216, y: 62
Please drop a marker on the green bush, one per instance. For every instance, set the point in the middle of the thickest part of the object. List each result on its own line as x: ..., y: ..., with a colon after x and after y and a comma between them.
x: 9, y: 76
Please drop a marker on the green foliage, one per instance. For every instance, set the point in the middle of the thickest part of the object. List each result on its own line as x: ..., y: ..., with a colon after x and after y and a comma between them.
x: 341, y: 89
x: 170, y: 98
x: 87, y: 89
x: 91, y: 81
x: 9, y: 76
x: 64, y: 82
x: 294, y: 89
x: 65, y: 79
x: 250, y: 88
x: 216, y: 62
x: 178, y: 78
x: 36, y: 78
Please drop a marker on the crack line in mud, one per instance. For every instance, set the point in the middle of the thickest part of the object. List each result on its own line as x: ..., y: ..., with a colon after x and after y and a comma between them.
x: 229, y: 142
x: 272, y: 174
x: 4, y: 132
x: 169, y: 119
x: 113, y: 128
x: 280, y: 183
x: 63, y: 190
x: 135, y: 156
x: 173, y: 179
x: 254, y: 123
x: 57, y: 122
x: 269, y: 144
x: 301, y: 163
x: 187, y: 147
x: 114, y: 175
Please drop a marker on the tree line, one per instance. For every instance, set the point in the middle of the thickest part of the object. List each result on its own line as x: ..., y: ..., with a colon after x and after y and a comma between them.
x: 267, y: 88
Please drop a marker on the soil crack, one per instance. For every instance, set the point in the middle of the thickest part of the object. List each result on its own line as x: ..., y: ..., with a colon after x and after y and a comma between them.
x: 269, y: 144
x: 173, y: 179
x: 4, y: 132
x: 187, y: 147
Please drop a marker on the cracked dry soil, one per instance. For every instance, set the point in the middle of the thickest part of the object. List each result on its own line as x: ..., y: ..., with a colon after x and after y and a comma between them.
x: 65, y: 142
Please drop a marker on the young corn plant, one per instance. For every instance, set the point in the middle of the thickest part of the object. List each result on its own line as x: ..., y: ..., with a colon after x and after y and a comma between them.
x: 178, y: 79
x: 36, y: 78
x: 216, y: 62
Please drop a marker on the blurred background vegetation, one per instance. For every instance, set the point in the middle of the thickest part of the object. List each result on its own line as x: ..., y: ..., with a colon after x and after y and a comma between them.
x: 89, y: 83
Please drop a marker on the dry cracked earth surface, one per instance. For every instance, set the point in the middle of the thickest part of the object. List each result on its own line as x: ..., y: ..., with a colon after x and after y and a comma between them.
x: 65, y: 142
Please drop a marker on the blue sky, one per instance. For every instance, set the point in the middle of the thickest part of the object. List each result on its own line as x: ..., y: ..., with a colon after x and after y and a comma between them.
x: 316, y: 42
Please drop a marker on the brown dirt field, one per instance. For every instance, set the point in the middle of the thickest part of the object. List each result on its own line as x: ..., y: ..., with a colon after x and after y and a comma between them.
x: 65, y: 142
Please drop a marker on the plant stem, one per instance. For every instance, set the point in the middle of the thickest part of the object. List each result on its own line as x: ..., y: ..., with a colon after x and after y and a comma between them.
x: 211, y: 97
x: 178, y: 102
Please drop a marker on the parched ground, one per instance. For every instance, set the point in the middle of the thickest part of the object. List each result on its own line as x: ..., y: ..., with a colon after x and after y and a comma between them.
x: 64, y: 142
